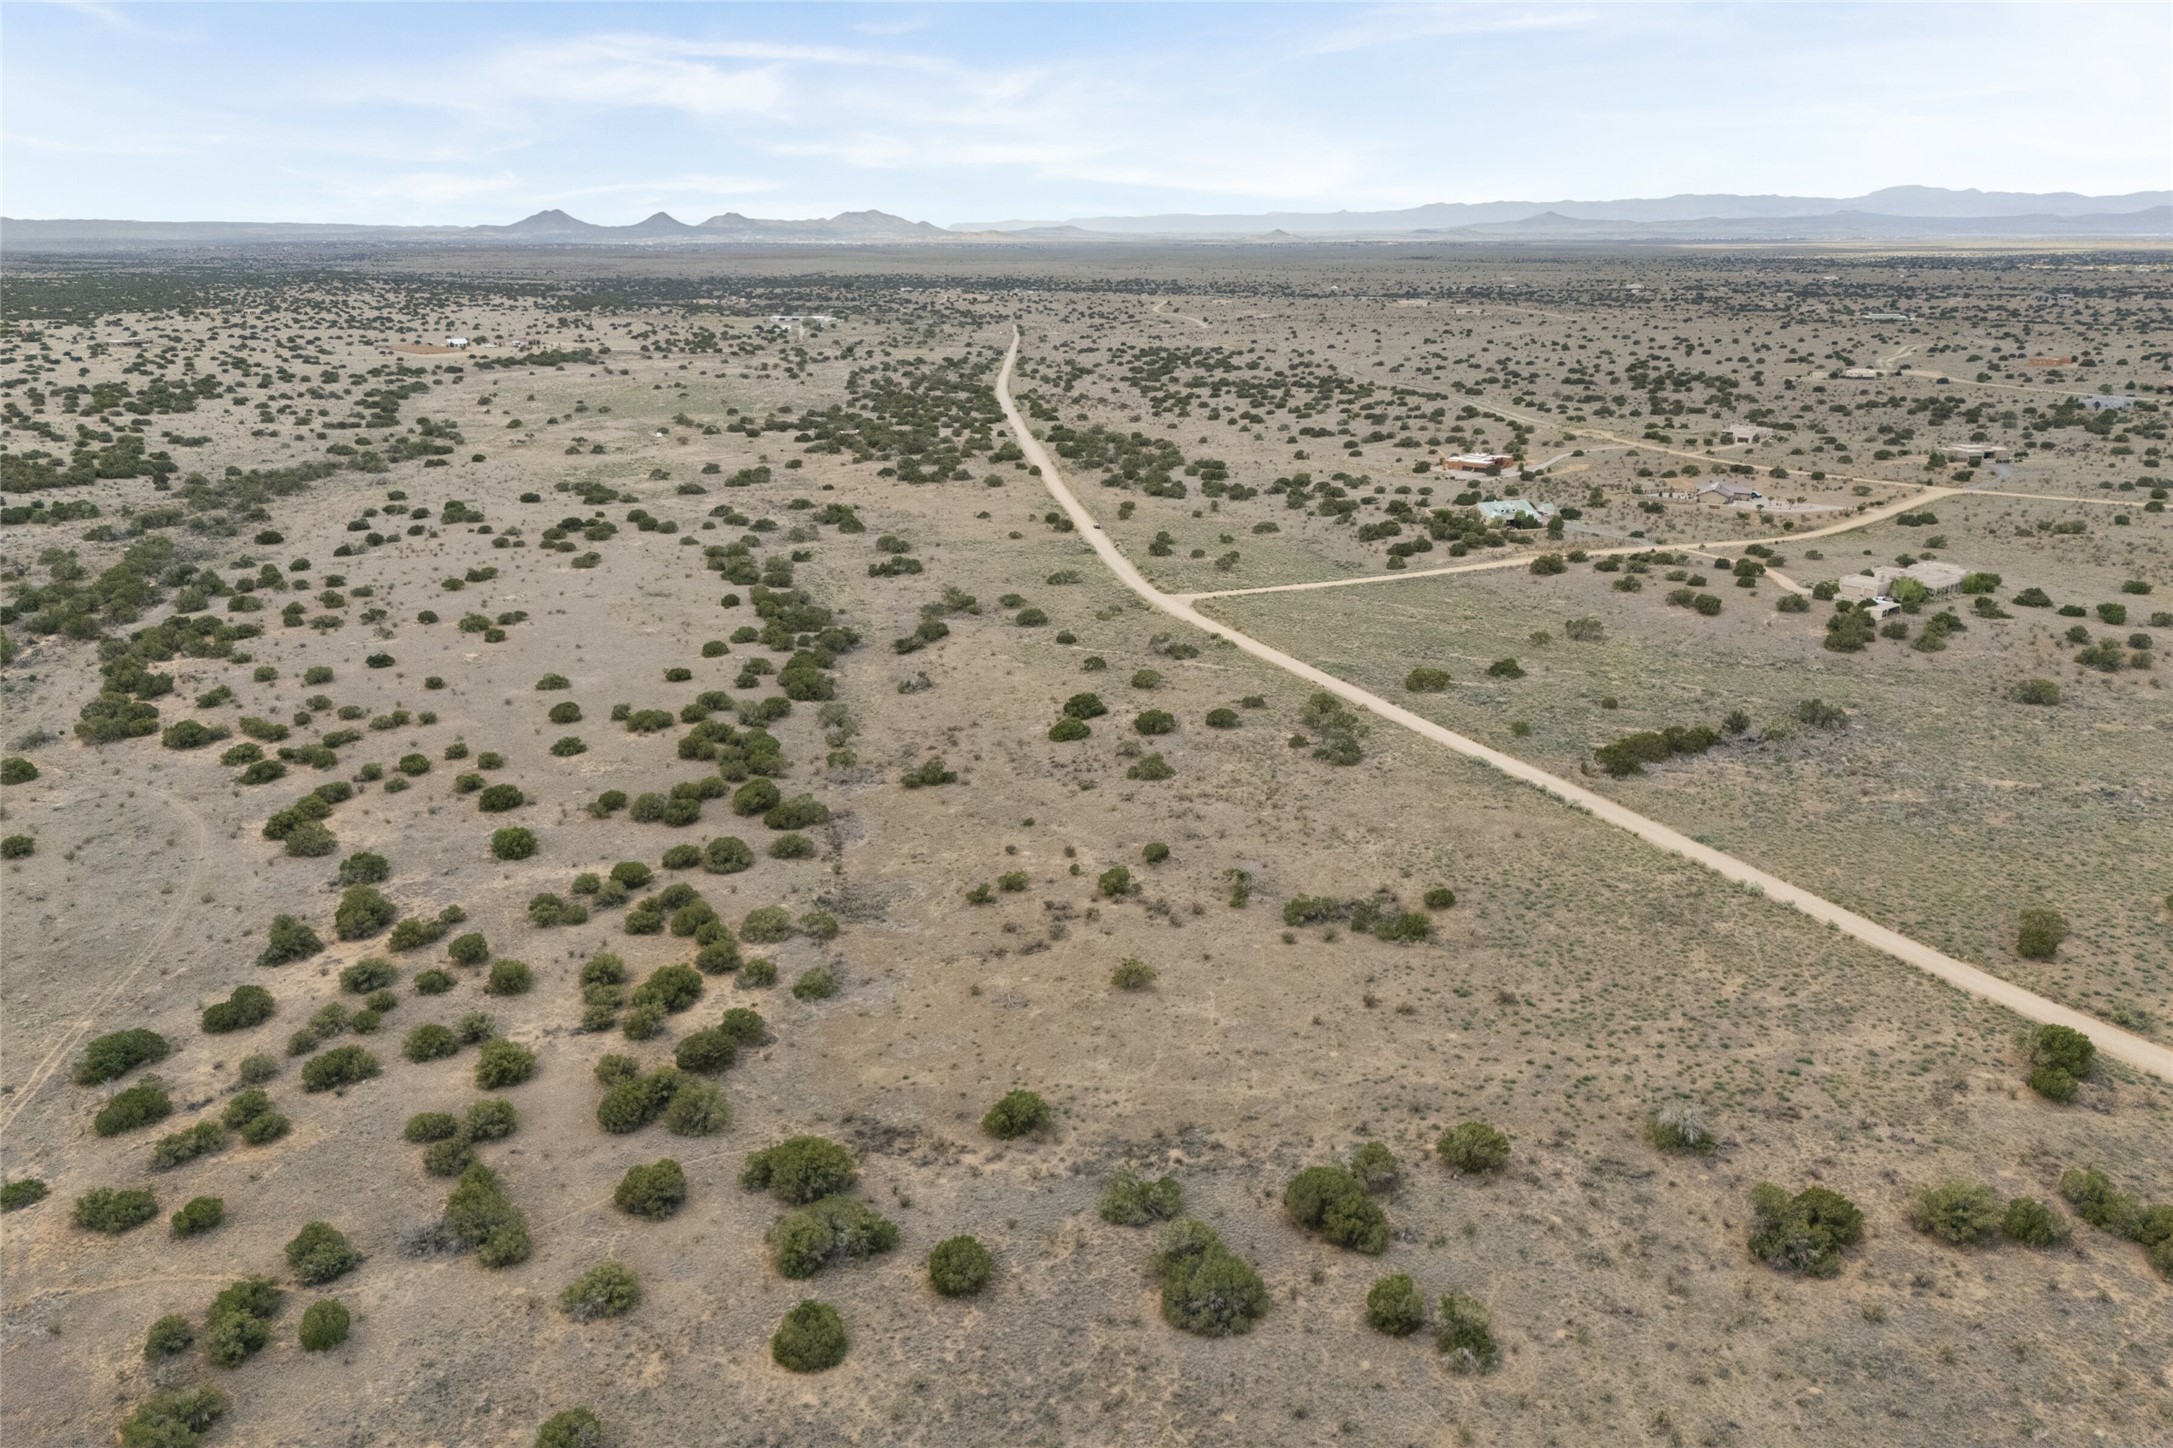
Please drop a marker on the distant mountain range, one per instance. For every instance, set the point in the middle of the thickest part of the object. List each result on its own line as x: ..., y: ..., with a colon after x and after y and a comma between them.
x: 545, y: 228
x: 1898, y: 213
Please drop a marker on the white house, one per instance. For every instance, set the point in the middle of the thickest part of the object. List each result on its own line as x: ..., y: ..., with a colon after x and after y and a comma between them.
x: 2106, y: 402
x: 458, y: 344
x: 1744, y: 432
x: 1730, y: 492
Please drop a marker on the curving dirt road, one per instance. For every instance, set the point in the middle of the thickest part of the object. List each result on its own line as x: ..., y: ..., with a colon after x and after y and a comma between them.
x: 2122, y: 1046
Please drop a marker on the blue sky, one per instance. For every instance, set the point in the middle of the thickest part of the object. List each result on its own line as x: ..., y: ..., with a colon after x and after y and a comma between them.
x: 418, y: 113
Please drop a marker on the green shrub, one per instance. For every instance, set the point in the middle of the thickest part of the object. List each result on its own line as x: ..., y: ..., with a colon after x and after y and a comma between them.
x: 117, y: 1054
x: 113, y: 1211
x: 792, y: 847
x: 20, y: 1192
x: 1015, y: 1114
x: 257, y: 1069
x: 17, y: 770
x: 2094, y: 1197
x: 433, y: 982
x: 1505, y: 669
x: 1440, y: 897
x: 481, y: 1218
x: 1154, y: 721
x: 830, y: 1229
x: 631, y: 1101
x: 468, y: 949
x: 324, y: 1325
x: 929, y: 773
x: 670, y: 988
x: 138, y: 1106
x: 340, y: 1066
x: 2064, y: 1047
x: 1115, y: 882
x: 1961, y: 1214
x: 425, y: 1127
x: 1474, y: 1146
x: 755, y: 797
x: 1426, y: 681
x: 448, y: 1158
x: 2032, y: 1223
x: 1132, y: 974
x: 960, y: 1267
x: 1804, y: 1233
x: 727, y: 855
x: 235, y: 1326
x: 2052, y: 1083
x: 2059, y: 1057
x: 1465, y: 1335
x: 197, y: 1215
x: 768, y: 925
x: 264, y: 1127
x: 745, y: 1026
x: 168, y: 1336
x: 1331, y: 1201
x: 1068, y: 730
x: 320, y: 1253
x: 799, y: 1170
x: 503, y: 1063
x: 816, y: 983
x: 811, y: 1339
x: 509, y: 977
x: 1394, y: 1306
x: 176, y: 1418
x: 801, y: 812
x: 17, y: 847
x: 574, y: 1428
x: 187, y: 1144
x: 373, y: 973
x: 1376, y: 1168
x: 363, y: 912
x: 1131, y: 1201
x: 1206, y: 1289
x: 2035, y: 691
x: 697, y: 1109
x: 609, y: 1289
x: 490, y: 1121
x: 705, y: 1052
x: 654, y: 1191
x: 1152, y: 767
x: 289, y: 939
x: 514, y: 843
x: 2040, y: 933
x: 429, y: 1043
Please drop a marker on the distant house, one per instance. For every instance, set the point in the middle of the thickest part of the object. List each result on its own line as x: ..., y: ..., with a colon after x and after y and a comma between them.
x: 1861, y: 373
x: 1977, y: 452
x: 458, y: 344
x: 1744, y: 432
x: 1730, y: 492
x: 2105, y: 402
x: 1475, y: 463
x: 1504, y: 510
x: 2050, y: 362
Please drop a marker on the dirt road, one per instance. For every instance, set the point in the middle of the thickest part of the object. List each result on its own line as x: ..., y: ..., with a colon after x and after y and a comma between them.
x: 2123, y: 1046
